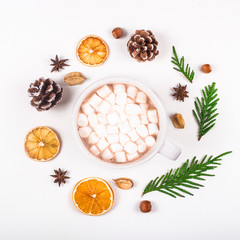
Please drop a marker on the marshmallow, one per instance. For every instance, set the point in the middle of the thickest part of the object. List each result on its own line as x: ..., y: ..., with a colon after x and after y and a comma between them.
x: 123, y: 115
x: 144, y: 119
x: 130, y: 148
x: 120, y: 111
x: 141, y: 97
x: 134, y: 121
x: 120, y: 156
x: 143, y: 109
x: 142, y: 130
x: 119, y: 88
x: 117, y: 123
x: 133, y: 135
x: 111, y: 98
x: 113, y: 138
x: 104, y: 91
x: 82, y: 120
x: 116, y: 147
x: 93, y: 121
x: 132, y: 91
x: 113, y: 118
x: 102, y: 118
x: 121, y: 98
x: 87, y: 108
x: 132, y: 109
x: 150, y: 141
x: 130, y: 157
x: 152, y: 116
x: 123, y: 138
x: 107, y: 154
x: 94, y: 150
x: 93, y: 138
x: 112, y: 129
x: 104, y: 107
x: 124, y: 126
x: 102, y: 144
x: 84, y: 132
x: 152, y: 128
x: 118, y: 108
x: 95, y: 100
x: 101, y: 130
x: 141, y: 146
x: 129, y: 100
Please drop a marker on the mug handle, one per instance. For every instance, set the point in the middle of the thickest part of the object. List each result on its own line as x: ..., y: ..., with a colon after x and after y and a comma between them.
x: 170, y: 150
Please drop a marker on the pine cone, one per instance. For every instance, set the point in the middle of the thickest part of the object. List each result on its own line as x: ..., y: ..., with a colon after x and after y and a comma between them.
x: 45, y: 94
x: 143, y: 46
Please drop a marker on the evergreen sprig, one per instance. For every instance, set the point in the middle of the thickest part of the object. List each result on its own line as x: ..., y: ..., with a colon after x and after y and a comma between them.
x: 180, y: 66
x: 205, y: 113
x: 175, y: 182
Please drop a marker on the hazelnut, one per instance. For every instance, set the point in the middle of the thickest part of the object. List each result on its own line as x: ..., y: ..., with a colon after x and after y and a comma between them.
x: 145, y: 206
x: 206, y: 68
x: 117, y: 32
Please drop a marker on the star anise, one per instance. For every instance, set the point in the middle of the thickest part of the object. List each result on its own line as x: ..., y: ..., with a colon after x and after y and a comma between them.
x: 58, y: 64
x: 180, y: 92
x: 60, y: 176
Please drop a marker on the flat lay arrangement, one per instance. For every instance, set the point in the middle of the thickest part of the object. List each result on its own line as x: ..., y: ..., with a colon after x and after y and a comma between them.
x: 119, y: 122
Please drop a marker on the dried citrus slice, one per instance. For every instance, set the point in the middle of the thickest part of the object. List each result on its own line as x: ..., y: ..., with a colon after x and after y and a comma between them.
x: 42, y: 144
x: 92, y: 51
x: 93, y: 196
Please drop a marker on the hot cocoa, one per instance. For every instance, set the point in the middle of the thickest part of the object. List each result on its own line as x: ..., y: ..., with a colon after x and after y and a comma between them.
x: 118, y: 123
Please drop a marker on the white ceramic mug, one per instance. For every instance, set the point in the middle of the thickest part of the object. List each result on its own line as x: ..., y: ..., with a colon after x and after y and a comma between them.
x: 161, y: 146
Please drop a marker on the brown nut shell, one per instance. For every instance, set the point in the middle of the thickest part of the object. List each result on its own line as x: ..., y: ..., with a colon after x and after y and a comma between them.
x: 74, y: 78
x: 206, y: 68
x: 145, y: 206
x: 178, y: 121
x: 124, y: 183
x: 117, y: 32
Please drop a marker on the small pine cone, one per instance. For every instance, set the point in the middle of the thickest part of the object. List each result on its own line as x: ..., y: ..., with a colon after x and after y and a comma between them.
x: 143, y: 46
x: 45, y: 94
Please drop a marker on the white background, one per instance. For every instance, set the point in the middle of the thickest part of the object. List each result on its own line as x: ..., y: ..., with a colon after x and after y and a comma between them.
x: 32, y: 32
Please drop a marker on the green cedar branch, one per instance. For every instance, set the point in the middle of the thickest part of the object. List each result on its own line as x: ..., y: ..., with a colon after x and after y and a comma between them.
x: 180, y: 66
x: 205, y: 113
x: 175, y: 182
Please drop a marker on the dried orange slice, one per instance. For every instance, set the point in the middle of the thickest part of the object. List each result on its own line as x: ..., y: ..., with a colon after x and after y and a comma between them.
x: 42, y: 144
x: 92, y: 51
x: 93, y: 196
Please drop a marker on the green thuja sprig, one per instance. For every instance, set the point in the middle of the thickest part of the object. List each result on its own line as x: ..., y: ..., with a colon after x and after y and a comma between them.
x: 175, y: 182
x: 186, y: 71
x: 205, y: 113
